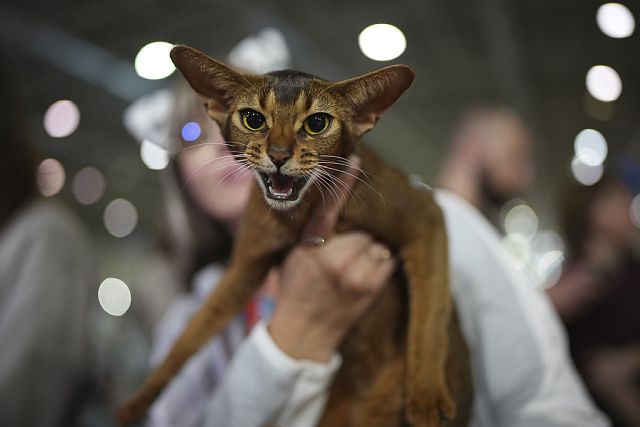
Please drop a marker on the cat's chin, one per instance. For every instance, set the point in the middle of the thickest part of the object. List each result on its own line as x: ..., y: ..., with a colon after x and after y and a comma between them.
x: 282, y: 192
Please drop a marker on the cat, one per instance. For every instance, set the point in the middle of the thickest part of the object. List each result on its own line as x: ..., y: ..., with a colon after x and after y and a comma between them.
x: 405, y: 361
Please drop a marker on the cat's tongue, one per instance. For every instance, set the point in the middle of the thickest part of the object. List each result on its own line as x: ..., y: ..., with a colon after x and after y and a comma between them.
x: 280, y: 186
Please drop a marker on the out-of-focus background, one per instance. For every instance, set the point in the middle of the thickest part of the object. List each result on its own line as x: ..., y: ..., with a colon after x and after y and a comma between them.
x: 532, y: 56
x: 564, y: 67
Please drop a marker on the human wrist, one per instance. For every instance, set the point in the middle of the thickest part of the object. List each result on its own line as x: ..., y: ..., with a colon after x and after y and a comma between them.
x: 302, y: 338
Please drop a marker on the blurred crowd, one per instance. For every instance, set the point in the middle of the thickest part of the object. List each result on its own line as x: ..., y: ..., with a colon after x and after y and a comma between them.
x: 55, y: 369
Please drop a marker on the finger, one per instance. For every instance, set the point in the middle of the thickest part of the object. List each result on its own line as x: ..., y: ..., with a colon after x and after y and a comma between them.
x: 325, y: 217
x: 364, y: 272
x: 382, y: 273
x: 339, y: 254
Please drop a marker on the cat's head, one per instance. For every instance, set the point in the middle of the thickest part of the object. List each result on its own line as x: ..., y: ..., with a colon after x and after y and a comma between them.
x: 292, y: 129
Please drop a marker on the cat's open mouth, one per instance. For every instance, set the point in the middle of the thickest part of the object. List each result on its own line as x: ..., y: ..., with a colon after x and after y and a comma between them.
x: 282, y: 187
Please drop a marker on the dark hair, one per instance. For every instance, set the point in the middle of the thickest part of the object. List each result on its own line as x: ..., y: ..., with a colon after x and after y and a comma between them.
x: 192, y: 238
x: 17, y: 156
x: 574, y: 208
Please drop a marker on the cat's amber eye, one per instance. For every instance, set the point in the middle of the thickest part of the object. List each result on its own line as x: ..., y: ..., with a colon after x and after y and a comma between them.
x: 252, y: 119
x: 317, y: 123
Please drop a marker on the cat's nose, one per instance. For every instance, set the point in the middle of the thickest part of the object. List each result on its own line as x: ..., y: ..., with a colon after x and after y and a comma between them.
x: 279, y: 155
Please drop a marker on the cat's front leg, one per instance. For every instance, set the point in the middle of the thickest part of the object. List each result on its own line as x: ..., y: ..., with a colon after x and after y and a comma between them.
x: 260, y: 243
x: 428, y: 399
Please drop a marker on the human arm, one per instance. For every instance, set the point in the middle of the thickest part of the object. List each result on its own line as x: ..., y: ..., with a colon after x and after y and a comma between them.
x: 283, y: 375
x: 523, y: 376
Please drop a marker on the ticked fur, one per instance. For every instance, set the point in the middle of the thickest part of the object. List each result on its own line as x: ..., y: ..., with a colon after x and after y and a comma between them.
x: 405, y: 361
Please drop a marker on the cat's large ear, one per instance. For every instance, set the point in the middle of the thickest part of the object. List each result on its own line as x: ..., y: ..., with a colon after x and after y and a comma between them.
x: 214, y: 80
x: 373, y: 93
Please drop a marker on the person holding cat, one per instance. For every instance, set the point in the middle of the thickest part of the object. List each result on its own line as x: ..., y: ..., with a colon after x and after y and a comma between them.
x: 281, y: 372
x: 321, y: 289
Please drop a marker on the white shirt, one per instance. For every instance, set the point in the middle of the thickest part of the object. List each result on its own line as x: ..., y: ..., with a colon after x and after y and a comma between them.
x: 522, y: 373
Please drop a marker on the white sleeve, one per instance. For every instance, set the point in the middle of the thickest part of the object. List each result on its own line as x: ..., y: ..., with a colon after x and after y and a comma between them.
x: 522, y: 373
x: 263, y: 385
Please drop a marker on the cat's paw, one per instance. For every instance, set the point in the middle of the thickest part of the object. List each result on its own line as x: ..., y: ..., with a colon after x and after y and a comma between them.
x: 430, y: 407
x: 131, y: 412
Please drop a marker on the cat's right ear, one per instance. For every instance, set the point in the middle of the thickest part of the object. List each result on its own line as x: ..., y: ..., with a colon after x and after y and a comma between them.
x: 212, y: 79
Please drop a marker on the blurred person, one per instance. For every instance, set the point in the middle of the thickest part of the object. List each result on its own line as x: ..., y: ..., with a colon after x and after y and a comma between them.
x: 597, y: 296
x: 46, y: 275
x: 280, y: 371
x: 490, y: 160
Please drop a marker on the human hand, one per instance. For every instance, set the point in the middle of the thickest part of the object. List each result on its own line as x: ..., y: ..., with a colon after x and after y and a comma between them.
x: 324, y: 289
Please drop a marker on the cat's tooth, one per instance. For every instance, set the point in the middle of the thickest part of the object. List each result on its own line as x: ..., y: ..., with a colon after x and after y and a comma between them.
x: 281, y: 195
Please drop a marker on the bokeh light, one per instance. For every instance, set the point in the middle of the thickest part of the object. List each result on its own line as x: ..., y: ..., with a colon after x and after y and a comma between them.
x: 61, y: 118
x: 261, y: 53
x: 615, y: 20
x: 191, y: 131
x: 518, y: 248
x: 88, y: 185
x: 546, y: 241
x: 50, y: 177
x: 522, y: 220
x: 603, y: 83
x: 153, y: 156
x: 153, y: 61
x: 382, y: 42
x: 548, y: 268
x: 120, y: 218
x: 590, y: 147
x: 586, y: 174
x: 114, y: 296
x: 635, y: 210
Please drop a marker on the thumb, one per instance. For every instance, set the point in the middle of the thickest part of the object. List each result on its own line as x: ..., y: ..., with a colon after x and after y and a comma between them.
x: 325, y: 216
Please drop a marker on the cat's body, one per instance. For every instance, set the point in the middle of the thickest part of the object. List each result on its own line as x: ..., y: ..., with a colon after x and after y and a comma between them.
x: 405, y: 360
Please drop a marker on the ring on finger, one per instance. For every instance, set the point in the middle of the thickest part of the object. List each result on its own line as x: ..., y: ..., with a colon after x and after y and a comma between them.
x: 379, y: 253
x: 314, y: 240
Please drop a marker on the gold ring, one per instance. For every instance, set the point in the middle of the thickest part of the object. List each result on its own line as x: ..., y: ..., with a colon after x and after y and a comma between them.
x: 380, y: 254
x: 314, y: 240
x: 384, y: 254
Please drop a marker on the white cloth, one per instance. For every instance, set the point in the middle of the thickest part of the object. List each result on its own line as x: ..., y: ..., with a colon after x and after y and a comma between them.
x: 521, y: 369
x: 522, y: 372
x: 212, y: 391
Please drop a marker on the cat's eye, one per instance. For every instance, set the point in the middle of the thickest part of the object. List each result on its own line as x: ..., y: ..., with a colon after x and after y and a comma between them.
x: 252, y: 119
x: 317, y: 123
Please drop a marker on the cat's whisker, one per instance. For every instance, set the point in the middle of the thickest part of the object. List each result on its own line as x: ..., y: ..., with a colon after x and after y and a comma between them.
x: 337, y: 160
x: 340, y: 161
x: 349, y: 189
x: 192, y: 174
x: 222, y: 166
x: 226, y: 177
x: 200, y: 144
x: 326, y: 184
x: 331, y: 182
x: 358, y: 178
x: 314, y: 180
x: 227, y: 162
x: 355, y: 197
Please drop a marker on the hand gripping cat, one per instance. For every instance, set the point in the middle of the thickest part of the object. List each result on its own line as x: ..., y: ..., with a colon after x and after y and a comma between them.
x: 405, y: 361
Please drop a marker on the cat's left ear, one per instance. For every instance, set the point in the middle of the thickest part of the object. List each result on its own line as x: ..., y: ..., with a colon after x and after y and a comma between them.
x: 373, y: 93
x: 212, y: 79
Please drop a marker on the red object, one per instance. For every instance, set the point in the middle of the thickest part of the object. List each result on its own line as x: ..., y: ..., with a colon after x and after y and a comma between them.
x: 252, y: 313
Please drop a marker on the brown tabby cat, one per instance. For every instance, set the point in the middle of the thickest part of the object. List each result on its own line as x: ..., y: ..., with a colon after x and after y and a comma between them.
x: 405, y: 361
